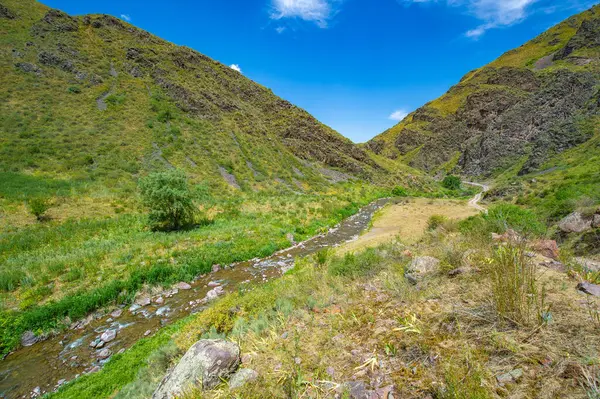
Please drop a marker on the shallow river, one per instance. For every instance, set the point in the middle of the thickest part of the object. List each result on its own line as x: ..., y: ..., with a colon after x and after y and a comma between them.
x: 61, y: 358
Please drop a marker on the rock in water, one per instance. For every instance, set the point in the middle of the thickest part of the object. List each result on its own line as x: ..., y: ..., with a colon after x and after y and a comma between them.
x: 28, y: 338
x: 183, y: 286
x: 241, y: 377
x: 574, y: 223
x: 204, y: 364
x: 108, y: 335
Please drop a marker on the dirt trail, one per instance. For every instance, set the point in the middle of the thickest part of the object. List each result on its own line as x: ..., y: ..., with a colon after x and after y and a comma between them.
x: 408, y: 220
x: 474, y: 202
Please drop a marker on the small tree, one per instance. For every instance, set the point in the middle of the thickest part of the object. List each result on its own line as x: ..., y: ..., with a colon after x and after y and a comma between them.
x: 451, y: 182
x: 169, y: 200
x: 38, y: 207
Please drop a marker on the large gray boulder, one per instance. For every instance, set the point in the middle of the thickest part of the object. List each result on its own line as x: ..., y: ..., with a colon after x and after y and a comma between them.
x: 574, y: 223
x: 203, y: 366
x: 421, y: 267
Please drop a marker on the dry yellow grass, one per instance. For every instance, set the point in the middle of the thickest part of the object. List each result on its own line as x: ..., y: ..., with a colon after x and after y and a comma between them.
x: 407, y: 221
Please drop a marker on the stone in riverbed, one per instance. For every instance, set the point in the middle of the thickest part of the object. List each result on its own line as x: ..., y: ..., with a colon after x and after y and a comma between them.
x: 116, y: 313
x: 108, y: 335
x: 214, y: 293
x: 183, y: 286
x: 143, y: 301
x: 206, y: 363
x: 104, y: 354
x: 28, y: 338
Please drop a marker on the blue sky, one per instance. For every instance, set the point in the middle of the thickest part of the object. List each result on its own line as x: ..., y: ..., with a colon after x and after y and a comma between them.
x: 357, y: 65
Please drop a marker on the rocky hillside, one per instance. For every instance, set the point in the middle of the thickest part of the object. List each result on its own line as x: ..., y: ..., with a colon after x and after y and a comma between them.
x: 530, y: 104
x: 93, y: 96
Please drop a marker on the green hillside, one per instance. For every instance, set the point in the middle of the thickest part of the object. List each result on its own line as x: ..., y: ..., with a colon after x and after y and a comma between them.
x: 528, y: 105
x: 93, y: 98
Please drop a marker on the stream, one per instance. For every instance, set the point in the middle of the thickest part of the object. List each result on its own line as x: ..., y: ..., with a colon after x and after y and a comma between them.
x: 43, y: 367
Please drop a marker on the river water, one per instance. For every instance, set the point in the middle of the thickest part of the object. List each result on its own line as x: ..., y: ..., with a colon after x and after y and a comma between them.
x: 61, y: 358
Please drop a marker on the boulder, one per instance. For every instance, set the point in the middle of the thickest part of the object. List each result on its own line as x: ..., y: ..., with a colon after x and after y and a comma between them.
x: 547, y: 248
x: 241, y: 377
x: 116, y: 313
x: 421, y: 267
x: 108, y: 335
x: 28, y: 338
x: 596, y: 221
x: 574, y: 223
x: 589, y: 288
x: 203, y: 365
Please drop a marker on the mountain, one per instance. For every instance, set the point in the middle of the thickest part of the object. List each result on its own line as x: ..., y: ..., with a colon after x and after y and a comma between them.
x: 94, y: 97
x: 530, y: 104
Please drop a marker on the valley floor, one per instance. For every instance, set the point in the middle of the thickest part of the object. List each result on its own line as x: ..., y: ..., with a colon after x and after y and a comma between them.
x: 355, y: 326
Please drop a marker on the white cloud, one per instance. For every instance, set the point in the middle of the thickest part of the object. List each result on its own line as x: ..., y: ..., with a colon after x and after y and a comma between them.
x: 492, y: 13
x: 236, y: 67
x: 317, y: 11
x: 398, y: 115
x: 280, y: 29
x: 126, y: 17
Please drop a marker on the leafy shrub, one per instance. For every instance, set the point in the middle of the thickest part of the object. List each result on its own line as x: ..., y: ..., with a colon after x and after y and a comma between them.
x: 38, y: 207
x: 74, y: 89
x: 451, y: 182
x: 351, y: 265
x: 399, y: 192
x: 169, y: 200
x: 500, y: 218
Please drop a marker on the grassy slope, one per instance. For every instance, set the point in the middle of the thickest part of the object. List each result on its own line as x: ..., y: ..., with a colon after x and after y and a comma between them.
x: 475, y: 82
x: 181, y: 108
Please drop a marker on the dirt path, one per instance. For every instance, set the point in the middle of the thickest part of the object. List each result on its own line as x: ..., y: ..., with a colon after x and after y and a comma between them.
x: 408, y: 220
x: 474, y: 202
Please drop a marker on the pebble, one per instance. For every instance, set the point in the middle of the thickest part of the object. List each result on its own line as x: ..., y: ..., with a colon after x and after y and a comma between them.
x: 148, y: 332
x: 108, y: 335
x: 159, y: 301
x: 104, y: 354
x: 183, y: 286
x: 116, y: 313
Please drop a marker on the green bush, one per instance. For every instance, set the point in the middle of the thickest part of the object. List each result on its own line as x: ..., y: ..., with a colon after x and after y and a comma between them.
x: 451, y: 182
x: 74, y: 89
x: 38, y: 207
x: 169, y: 200
x: 365, y: 263
x: 436, y: 221
x: 501, y: 218
x: 399, y: 192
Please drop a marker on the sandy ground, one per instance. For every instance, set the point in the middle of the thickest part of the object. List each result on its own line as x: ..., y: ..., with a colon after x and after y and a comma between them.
x: 408, y: 221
